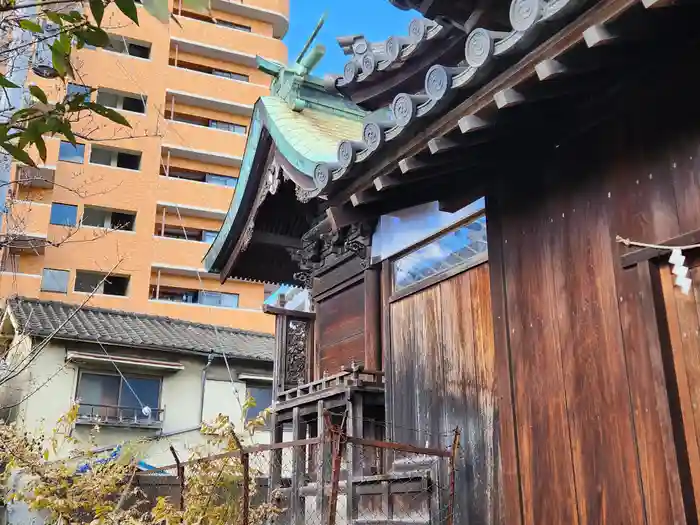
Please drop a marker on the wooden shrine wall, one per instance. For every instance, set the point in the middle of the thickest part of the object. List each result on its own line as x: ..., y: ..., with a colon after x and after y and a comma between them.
x: 441, y: 376
x: 587, y: 410
x: 347, y: 318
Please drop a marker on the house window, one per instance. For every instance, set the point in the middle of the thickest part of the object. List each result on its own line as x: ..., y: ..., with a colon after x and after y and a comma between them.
x: 221, y: 180
x: 459, y: 248
x: 100, y: 283
x: 78, y: 90
x: 118, y: 399
x: 69, y: 153
x: 115, y: 158
x: 104, y: 218
x: 63, y: 214
x: 262, y: 394
x: 54, y: 280
x: 233, y: 25
x: 126, y: 102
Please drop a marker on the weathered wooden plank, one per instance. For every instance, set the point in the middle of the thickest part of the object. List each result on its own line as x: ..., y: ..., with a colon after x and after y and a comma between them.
x: 372, y: 328
x: 686, y: 374
x: 658, y: 461
x: 579, y: 260
x: 546, y: 470
x: 341, y: 316
x: 510, y: 505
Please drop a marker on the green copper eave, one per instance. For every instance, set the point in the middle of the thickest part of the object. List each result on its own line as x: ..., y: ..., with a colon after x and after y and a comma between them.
x: 305, y: 122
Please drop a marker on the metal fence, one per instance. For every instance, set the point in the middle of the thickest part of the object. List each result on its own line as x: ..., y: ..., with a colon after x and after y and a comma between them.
x: 335, y: 479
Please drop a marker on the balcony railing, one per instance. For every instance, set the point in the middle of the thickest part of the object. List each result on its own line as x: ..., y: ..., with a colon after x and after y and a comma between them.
x: 110, y: 415
x: 36, y: 177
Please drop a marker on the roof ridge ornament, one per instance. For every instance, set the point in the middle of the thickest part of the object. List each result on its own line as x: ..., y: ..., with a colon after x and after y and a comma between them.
x: 289, y: 79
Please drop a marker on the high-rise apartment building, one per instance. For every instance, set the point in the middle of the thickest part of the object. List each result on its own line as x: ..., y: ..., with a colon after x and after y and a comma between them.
x: 144, y: 203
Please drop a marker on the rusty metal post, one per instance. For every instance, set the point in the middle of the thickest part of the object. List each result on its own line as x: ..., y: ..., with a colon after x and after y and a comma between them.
x: 245, y: 462
x: 453, y: 462
x: 337, y: 447
x: 180, y: 476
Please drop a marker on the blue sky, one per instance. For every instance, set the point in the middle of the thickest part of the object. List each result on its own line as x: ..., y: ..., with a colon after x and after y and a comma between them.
x: 376, y: 19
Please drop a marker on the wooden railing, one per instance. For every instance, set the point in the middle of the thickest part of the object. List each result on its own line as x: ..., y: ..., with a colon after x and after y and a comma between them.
x: 349, y: 376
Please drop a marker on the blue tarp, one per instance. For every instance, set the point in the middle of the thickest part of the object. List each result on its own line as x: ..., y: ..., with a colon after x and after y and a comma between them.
x: 86, y: 467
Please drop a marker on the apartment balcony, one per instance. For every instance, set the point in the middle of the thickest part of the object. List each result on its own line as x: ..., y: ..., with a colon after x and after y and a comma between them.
x: 179, y: 253
x: 274, y: 12
x: 202, y: 138
x: 213, y: 87
x: 242, y: 46
x: 29, y: 176
x: 196, y: 199
x: 26, y: 227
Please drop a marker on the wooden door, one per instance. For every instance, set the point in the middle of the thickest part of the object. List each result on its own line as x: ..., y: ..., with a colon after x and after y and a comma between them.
x: 442, y: 377
x: 683, y: 318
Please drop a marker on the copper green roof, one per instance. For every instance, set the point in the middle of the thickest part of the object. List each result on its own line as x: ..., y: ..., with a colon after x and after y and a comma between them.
x: 305, y: 124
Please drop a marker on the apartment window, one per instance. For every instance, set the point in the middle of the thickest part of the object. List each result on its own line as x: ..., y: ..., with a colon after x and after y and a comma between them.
x: 129, y: 47
x: 262, y: 394
x: 208, y: 236
x: 180, y: 295
x: 122, y: 101
x: 228, y: 126
x: 116, y: 398
x: 221, y: 180
x: 54, y: 280
x: 78, y: 90
x: 63, y: 214
x: 226, y: 300
x: 105, y: 218
x: 233, y: 25
x: 69, y: 153
x: 231, y: 75
x: 115, y: 158
x: 101, y: 283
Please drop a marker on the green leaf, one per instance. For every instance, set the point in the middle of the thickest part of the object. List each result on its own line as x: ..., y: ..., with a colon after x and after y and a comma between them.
x: 23, y: 114
x: 30, y: 25
x: 38, y: 94
x: 6, y: 83
x: 94, y: 36
x: 58, y: 58
x: 158, y: 9
x: 41, y: 147
x: 98, y: 10
x: 76, y: 16
x: 17, y: 153
x: 67, y: 132
x: 128, y: 7
x: 54, y: 17
x: 109, y: 113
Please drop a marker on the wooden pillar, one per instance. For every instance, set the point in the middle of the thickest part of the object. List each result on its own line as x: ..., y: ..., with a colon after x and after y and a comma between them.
x: 323, y: 461
x: 355, y: 408
x: 298, y: 469
x: 275, y: 456
x: 373, y: 321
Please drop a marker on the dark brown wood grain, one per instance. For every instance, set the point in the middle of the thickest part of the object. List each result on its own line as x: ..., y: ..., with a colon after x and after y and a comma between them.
x: 680, y: 311
x: 579, y: 256
x: 341, y: 316
x: 658, y: 461
x: 373, y: 328
x: 544, y: 442
x: 511, y: 501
